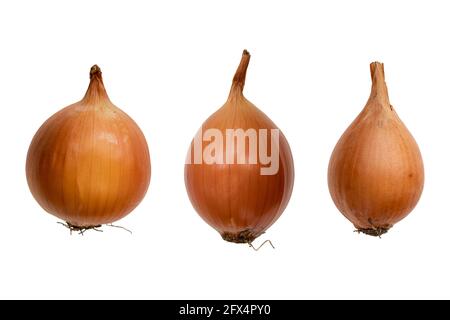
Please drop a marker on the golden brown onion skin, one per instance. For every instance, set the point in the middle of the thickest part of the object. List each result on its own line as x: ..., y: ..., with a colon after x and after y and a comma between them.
x: 89, y: 163
x: 235, y: 199
x: 376, y: 174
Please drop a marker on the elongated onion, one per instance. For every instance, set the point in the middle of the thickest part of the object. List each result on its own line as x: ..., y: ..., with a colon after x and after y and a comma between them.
x: 239, y: 173
x: 376, y: 174
x: 89, y: 163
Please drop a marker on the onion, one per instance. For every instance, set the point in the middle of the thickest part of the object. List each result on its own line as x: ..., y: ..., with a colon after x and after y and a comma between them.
x: 239, y: 172
x: 375, y: 174
x: 89, y: 163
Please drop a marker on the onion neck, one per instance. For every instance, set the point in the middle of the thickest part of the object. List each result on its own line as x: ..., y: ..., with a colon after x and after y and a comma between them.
x: 379, y: 89
x: 238, y: 84
x: 96, y: 91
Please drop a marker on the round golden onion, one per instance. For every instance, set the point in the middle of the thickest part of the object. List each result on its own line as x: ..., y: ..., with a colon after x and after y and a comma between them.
x: 89, y: 163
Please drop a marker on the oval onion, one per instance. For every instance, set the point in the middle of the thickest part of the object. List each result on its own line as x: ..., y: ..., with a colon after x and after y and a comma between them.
x: 239, y: 173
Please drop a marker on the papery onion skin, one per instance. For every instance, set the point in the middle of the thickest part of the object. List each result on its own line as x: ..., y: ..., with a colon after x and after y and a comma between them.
x: 89, y: 163
x: 376, y: 173
x: 235, y: 199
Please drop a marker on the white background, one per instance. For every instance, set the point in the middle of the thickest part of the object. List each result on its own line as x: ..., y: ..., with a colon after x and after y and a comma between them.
x: 169, y: 65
